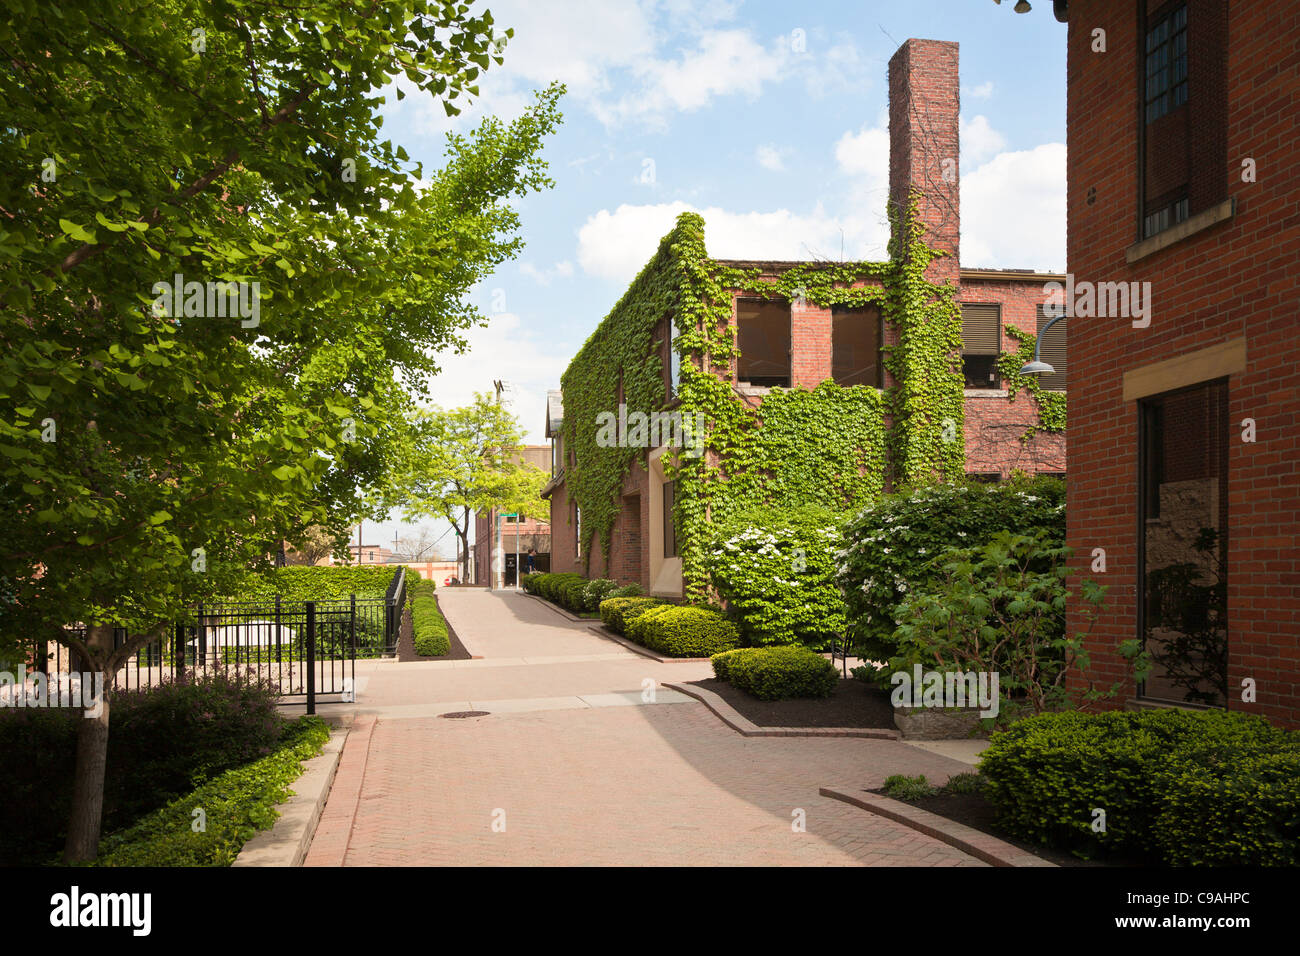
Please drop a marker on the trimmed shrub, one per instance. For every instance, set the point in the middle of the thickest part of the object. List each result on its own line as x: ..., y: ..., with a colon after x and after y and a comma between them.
x: 627, y: 590
x: 318, y: 582
x: 532, y: 580
x: 775, y: 568
x: 429, y: 627
x: 891, y: 546
x: 777, y: 673
x: 551, y: 585
x: 1182, y: 786
x: 163, y: 742
x: 615, y: 612
x: 237, y: 804
x: 683, y: 631
x: 596, y: 591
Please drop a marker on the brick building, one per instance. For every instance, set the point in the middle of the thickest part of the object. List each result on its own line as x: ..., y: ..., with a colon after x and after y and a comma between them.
x: 519, y: 534
x: 1185, y: 422
x: 796, y: 344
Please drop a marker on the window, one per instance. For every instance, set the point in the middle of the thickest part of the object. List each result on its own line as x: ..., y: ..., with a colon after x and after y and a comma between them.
x: 1182, y: 569
x: 670, y: 528
x: 577, y: 530
x: 1164, y: 215
x: 557, y: 454
x: 1052, y: 351
x: 1166, y: 64
x: 763, y: 337
x: 985, y: 478
x: 674, y: 361
x: 981, y: 336
x: 855, y: 346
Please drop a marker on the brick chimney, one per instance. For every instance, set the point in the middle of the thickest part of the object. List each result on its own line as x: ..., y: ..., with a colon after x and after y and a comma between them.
x: 923, y: 141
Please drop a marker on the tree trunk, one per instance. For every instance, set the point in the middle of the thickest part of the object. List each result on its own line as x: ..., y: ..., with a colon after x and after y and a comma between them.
x: 92, y: 760
x: 464, y: 548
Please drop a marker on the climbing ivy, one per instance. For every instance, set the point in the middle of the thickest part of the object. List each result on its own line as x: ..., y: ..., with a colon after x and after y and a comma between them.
x: 1051, y: 403
x: 827, y: 446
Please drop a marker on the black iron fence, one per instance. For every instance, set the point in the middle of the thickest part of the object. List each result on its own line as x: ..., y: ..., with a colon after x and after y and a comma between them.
x: 308, y: 648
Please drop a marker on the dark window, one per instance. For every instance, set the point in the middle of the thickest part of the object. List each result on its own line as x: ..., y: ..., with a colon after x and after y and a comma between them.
x: 1053, y: 351
x: 763, y: 337
x: 1166, y: 64
x: 670, y: 528
x: 981, y: 336
x: 1183, y: 504
x: 855, y: 346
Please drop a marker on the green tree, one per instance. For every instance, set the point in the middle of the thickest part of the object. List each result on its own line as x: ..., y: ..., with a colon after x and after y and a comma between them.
x: 152, y: 448
x: 467, y: 460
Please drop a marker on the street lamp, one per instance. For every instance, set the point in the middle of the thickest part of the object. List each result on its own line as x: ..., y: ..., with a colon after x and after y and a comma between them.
x: 1037, y: 366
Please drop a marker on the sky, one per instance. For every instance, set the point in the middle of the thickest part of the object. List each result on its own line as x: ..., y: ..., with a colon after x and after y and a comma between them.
x: 768, y: 118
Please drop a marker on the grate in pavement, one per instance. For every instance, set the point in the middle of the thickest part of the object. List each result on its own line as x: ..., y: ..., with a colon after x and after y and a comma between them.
x: 467, y: 713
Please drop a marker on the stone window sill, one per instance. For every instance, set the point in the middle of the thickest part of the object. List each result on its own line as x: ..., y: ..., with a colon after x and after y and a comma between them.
x: 1184, y: 230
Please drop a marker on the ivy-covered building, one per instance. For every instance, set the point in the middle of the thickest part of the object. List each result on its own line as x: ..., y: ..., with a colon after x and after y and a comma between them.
x: 716, y: 385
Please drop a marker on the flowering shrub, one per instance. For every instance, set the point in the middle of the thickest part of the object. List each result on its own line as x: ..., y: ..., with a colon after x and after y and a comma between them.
x: 891, y: 546
x: 776, y: 571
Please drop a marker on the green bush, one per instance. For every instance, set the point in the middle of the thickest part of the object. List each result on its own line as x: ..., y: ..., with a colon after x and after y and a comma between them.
x: 164, y: 741
x: 551, y: 585
x: 964, y: 783
x: 596, y: 591
x: 615, y: 612
x: 890, y: 547
x: 236, y: 805
x: 318, y: 582
x: 683, y: 631
x: 1186, y: 787
x: 627, y: 590
x: 532, y: 580
x: 1000, y: 608
x: 775, y: 568
x: 777, y: 673
x: 902, y: 787
x: 429, y: 627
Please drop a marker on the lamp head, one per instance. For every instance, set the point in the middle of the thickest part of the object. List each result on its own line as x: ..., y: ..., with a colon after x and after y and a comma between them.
x: 1037, y: 368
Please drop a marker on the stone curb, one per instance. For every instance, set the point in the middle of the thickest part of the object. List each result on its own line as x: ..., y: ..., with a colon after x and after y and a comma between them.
x: 288, y: 840
x: 746, y: 727
x: 347, y: 792
x: 978, y: 844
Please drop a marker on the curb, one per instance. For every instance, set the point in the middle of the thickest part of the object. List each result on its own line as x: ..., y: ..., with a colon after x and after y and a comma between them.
x: 978, y: 844
x: 347, y: 795
x: 288, y: 840
x: 747, y: 728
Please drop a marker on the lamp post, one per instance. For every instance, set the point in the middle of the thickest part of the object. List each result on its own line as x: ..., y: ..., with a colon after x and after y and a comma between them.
x: 1038, y: 367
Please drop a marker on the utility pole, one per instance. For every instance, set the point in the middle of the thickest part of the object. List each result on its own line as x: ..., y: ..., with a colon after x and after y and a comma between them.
x: 498, y: 554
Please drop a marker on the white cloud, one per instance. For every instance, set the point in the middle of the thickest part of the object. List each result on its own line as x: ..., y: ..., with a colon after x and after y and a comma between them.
x: 979, y: 140
x: 615, y: 245
x: 506, y: 349
x: 769, y: 157
x: 981, y: 92
x: 561, y: 270
x: 1013, y: 211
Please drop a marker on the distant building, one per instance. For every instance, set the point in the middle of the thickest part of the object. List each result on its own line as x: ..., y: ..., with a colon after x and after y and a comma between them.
x: 519, y: 534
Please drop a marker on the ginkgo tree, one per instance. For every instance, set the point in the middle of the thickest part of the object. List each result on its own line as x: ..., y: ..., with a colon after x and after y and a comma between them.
x: 153, y: 449
x: 463, y: 461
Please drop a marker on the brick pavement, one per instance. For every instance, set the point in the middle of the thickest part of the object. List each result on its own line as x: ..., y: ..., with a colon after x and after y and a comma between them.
x: 615, y: 785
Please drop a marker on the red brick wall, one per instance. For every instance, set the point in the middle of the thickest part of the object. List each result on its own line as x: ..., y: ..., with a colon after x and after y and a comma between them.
x: 810, y: 344
x: 1236, y: 280
x: 994, y: 424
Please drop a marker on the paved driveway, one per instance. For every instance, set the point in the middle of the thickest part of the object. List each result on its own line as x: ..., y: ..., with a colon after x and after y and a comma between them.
x: 571, y: 767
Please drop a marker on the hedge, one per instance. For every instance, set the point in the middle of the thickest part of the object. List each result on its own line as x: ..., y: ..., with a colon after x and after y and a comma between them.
x: 574, y: 592
x: 777, y: 673
x: 432, y: 636
x: 683, y: 631
x: 318, y: 582
x: 235, y: 805
x: 1184, y: 787
x: 616, y: 612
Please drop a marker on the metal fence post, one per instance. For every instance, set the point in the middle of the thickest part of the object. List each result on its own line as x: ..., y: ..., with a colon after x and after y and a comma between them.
x: 178, y: 652
x: 202, y: 653
x: 277, y: 629
x: 311, y: 657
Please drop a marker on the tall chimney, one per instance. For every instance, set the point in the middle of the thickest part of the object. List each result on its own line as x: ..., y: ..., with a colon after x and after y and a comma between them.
x: 923, y: 141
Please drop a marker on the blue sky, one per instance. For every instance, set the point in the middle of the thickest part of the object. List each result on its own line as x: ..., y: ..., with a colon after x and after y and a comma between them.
x: 767, y: 117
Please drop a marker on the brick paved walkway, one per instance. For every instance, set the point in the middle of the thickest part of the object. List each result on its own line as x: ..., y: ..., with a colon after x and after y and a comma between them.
x: 602, y: 785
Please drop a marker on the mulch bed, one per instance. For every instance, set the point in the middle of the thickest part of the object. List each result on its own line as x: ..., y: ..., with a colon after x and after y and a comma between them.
x: 975, y: 811
x: 852, y: 704
x: 406, y: 642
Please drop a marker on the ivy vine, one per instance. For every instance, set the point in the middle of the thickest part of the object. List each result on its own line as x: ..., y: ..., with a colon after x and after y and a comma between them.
x: 1050, y: 403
